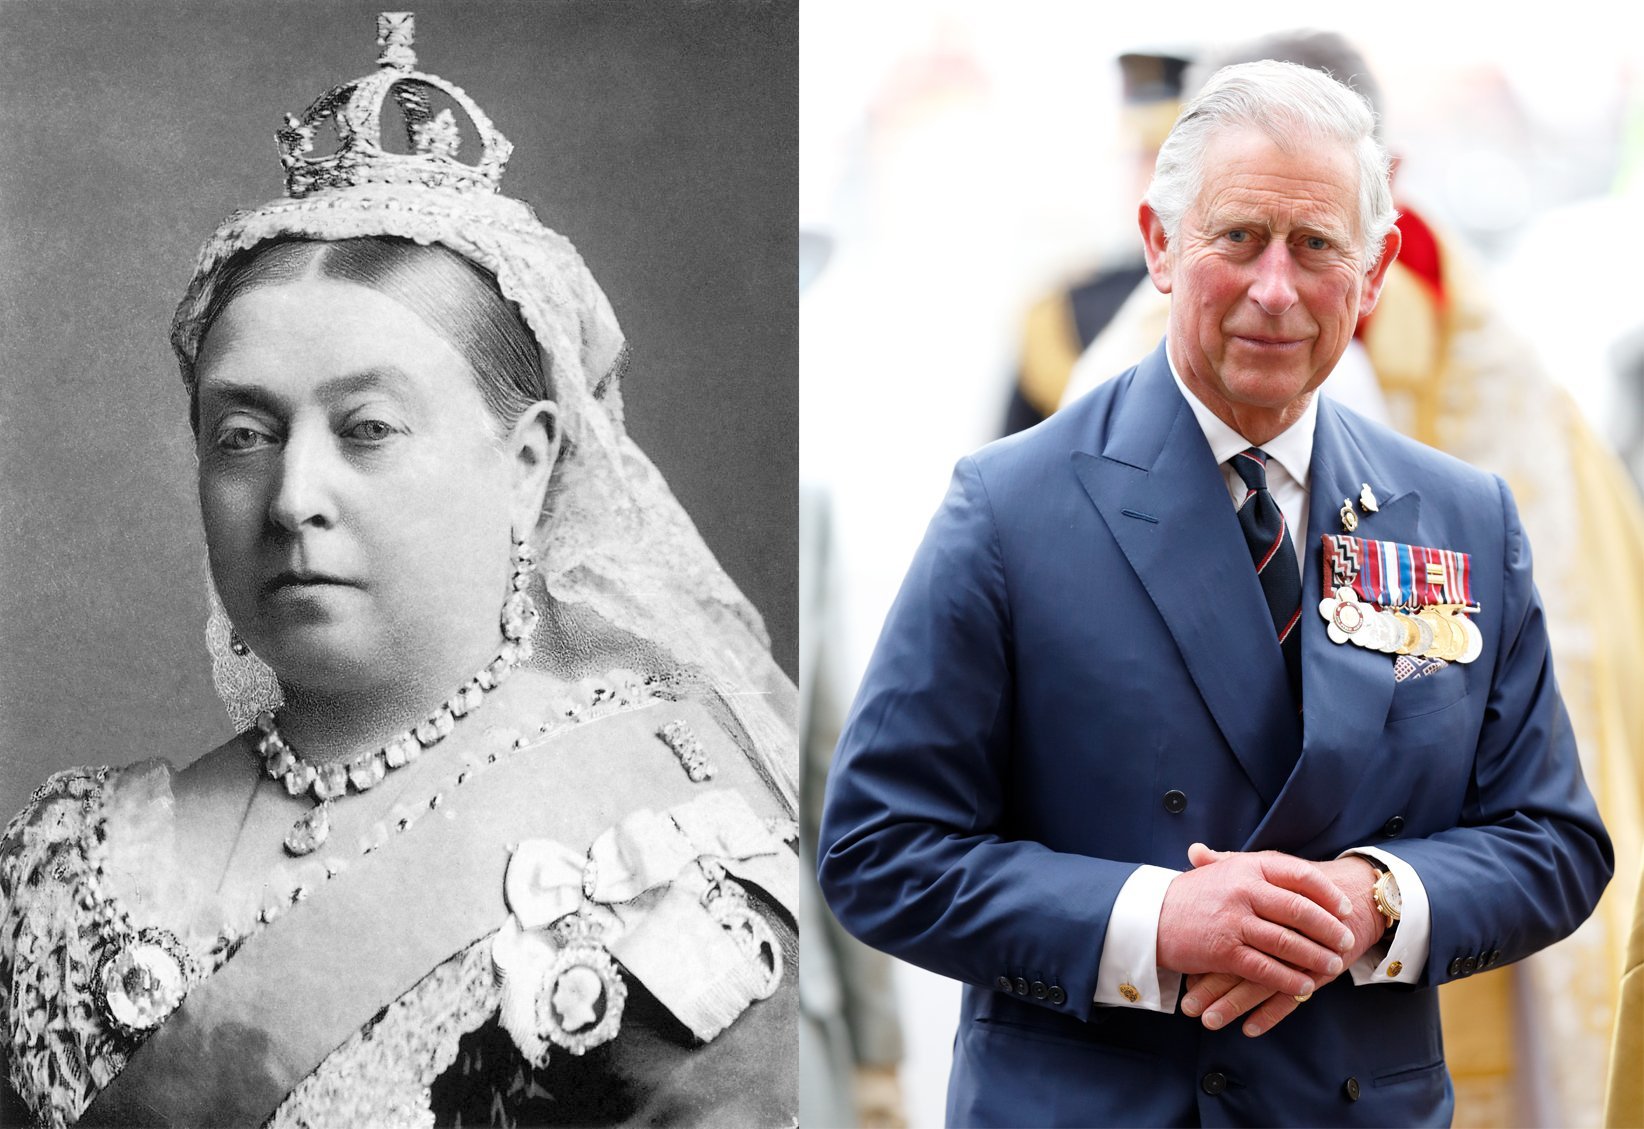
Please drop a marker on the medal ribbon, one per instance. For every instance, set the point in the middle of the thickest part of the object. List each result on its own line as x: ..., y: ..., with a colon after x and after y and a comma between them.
x: 1389, y: 574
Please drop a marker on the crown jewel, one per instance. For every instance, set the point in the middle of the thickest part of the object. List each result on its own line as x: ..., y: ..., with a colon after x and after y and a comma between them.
x: 355, y: 109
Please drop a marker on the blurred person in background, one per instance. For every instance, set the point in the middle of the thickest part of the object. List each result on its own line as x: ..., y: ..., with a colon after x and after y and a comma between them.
x: 1625, y: 1106
x: 1627, y: 359
x: 1438, y: 361
x: 850, y: 1039
x: 1048, y: 669
x: 1061, y: 324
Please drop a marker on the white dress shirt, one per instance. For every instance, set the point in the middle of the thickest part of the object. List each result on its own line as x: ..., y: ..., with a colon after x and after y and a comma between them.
x: 1130, y: 950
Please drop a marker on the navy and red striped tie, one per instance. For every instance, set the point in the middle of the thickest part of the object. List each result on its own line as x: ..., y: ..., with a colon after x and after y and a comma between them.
x: 1268, y: 536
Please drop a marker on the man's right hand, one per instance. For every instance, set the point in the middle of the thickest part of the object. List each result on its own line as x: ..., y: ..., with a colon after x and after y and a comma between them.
x: 1267, y: 917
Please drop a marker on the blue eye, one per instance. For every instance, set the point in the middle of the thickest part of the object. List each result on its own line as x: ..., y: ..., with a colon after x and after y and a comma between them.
x: 1238, y: 236
x: 1316, y: 244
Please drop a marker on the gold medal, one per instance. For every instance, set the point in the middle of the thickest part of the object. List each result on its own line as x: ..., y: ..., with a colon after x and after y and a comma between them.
x: 1444, y: 641
x: 1411, y: 642
x: 1424, y: 646
x: 1458, y: 636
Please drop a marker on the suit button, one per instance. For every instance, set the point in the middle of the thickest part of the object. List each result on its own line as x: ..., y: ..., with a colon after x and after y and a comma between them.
x: 1057, y: 996
x: 1495, y: 957
x: 1213, y: 1083
x: 1393, y: 826
x: 1352, y: 1089
x: 1039, y: 990
x: 1455, y: 967
x: 1175, y: 802
x: 1469, y: 965
x: 1003, y: 983
x: 1021, y: 986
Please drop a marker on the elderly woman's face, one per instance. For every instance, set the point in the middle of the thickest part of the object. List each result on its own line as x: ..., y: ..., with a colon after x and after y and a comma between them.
x: 355, y: 496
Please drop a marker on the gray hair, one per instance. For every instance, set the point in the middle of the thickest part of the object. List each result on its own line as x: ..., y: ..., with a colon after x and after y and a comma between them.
x: 1289, y: 103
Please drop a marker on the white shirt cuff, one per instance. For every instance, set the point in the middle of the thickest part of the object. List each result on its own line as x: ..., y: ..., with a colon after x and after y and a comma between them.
x: 1402, y: 960
x: 1128, y: 974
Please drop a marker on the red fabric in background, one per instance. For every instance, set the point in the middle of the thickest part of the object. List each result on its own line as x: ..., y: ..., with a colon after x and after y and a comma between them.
x: 1418, y: 253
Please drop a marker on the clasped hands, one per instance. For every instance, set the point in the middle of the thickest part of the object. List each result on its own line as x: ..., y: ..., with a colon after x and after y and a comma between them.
x: 1254, y: 931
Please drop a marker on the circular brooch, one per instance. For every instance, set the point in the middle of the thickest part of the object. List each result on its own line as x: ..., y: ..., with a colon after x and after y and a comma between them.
x: 142, y: 980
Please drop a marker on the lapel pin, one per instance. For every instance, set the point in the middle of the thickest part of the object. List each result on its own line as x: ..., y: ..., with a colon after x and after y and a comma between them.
x: 1349, y: 519
x: 1367, y: 499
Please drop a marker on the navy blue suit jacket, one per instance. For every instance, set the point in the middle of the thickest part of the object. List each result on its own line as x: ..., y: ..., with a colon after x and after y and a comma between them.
x: 1082, y: 632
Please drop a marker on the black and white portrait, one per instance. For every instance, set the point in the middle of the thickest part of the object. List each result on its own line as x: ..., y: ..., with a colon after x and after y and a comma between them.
x: 397, y: 628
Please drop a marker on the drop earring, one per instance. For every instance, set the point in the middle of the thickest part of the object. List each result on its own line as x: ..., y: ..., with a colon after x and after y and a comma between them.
x: 236, y: 644
x: 519, y: 611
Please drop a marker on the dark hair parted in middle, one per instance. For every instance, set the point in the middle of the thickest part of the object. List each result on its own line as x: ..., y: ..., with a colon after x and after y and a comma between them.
x: 459, y: 300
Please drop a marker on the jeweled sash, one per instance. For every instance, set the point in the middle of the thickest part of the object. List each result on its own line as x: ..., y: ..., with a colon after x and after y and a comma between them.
x: 245, y: 1037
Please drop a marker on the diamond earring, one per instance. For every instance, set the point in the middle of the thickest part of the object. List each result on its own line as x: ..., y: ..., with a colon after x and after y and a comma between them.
x: 519, y: 611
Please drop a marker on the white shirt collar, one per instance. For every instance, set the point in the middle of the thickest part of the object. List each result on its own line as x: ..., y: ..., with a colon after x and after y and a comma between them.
x: 1292, y: 448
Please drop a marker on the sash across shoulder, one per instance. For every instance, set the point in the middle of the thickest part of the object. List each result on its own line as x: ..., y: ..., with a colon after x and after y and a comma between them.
x: 297, y: 990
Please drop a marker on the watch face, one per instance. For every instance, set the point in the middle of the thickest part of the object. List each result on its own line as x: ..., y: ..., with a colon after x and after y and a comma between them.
x: 1387, y: 890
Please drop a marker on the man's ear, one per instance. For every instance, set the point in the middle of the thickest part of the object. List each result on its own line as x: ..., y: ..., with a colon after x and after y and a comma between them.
x: 1156, y: 246
x: 1373, y: 281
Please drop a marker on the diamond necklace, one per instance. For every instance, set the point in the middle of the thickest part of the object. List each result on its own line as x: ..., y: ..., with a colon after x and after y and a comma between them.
x: 330, y: 781
x: 327, y: 782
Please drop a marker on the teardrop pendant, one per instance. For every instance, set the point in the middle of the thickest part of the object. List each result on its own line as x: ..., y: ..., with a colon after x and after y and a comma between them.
x: 310, y: 831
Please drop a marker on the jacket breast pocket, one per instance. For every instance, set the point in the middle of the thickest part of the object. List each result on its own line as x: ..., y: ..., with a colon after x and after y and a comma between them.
x: 1423, y: 694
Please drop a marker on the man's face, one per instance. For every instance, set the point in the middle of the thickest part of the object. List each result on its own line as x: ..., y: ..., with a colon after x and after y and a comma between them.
x: 1267, y: 274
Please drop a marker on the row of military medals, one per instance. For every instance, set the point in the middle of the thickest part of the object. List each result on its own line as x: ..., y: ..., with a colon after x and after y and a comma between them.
x: 1395, y: 598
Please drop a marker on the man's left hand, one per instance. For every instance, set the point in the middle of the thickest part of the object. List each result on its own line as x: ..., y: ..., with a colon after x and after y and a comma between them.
x: 1221, y: 998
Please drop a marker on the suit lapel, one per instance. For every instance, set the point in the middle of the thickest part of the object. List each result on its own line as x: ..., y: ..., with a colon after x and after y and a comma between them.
x: 1158, y: 488
x: 1346, y: 690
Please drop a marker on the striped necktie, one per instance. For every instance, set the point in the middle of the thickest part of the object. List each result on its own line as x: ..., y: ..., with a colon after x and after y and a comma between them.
x: 1267, y: 535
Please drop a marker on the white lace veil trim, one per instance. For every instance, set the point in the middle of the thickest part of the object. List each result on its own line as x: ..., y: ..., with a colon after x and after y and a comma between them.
x: 245, y: 683
x: 618, y: 545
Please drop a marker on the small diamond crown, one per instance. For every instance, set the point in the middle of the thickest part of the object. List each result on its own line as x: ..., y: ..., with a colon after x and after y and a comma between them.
x: 355, y: 108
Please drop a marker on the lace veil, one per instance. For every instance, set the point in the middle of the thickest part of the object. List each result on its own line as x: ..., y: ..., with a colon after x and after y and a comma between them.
x: 620, y: 555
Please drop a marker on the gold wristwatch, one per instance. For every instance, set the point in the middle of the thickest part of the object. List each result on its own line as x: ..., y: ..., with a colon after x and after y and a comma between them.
x: 1385, y: 893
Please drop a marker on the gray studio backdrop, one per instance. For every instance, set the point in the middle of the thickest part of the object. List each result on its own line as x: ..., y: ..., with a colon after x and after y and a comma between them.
x: 658, y: 136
